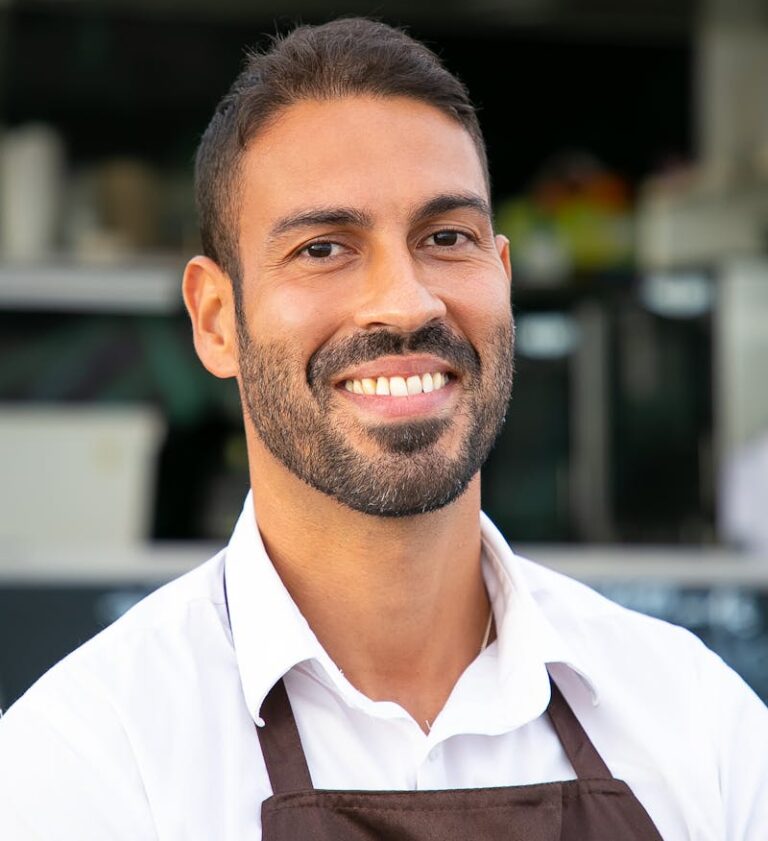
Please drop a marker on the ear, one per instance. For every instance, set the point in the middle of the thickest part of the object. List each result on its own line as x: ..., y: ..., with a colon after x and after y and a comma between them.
x: 209, y: 299
x: 502, y: 247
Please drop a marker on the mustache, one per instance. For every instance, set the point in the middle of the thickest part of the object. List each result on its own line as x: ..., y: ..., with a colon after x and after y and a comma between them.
x: 326, y: 362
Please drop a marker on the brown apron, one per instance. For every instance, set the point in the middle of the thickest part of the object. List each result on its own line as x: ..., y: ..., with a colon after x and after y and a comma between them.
x: 593, y: 807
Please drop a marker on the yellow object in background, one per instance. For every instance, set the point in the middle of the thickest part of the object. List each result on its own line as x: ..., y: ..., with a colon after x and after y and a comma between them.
x: 576, y: 219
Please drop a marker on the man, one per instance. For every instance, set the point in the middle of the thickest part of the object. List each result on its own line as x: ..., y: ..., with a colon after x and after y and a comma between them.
x: 367, y: 659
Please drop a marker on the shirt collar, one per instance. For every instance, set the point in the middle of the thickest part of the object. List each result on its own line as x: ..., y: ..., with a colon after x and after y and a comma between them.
x: 269, y: 632
x: 271, y: 636
x: 524, y: 633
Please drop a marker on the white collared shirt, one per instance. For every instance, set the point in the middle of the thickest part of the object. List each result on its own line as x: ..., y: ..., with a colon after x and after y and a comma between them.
x: 147, y: 731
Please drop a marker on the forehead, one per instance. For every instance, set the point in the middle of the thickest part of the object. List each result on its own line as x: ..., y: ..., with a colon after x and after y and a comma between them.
x: 384, y: 155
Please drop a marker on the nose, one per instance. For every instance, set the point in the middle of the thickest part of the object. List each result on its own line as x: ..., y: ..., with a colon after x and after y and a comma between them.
x: 395, y: 294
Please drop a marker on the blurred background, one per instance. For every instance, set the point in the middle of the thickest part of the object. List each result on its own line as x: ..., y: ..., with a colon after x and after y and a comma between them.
x: 629, y: 150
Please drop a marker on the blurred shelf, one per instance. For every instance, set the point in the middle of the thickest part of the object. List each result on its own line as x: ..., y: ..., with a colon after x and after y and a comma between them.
x: 683, y: 565
x: 155, y: 563
x: 133, y: 288
x: 701, y: 227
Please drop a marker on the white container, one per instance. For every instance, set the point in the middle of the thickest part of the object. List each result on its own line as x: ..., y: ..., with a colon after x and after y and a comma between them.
x: 77, y: 475
x: 31, y: 185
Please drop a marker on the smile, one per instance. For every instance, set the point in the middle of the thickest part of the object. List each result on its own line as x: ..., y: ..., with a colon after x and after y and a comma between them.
x: 399, y: 386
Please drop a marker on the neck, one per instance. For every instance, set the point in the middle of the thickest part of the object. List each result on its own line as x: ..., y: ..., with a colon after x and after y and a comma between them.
x: 398, y: 603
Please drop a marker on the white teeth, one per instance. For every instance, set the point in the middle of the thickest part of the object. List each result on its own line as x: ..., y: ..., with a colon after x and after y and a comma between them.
x: 414, y: 385
x: 398, y: 386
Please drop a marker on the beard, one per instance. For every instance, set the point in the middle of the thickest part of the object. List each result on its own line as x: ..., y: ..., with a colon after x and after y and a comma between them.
x: 292, y: 411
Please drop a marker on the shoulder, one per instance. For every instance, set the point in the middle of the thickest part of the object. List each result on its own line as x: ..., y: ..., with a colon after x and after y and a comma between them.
x: 80, y: 732
x: 155, y: 642
x: 635, y: 659
x: 594, y: 621
x: 689, y: 723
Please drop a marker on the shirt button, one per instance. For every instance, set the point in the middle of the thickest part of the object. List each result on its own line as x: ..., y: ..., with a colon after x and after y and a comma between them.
x: 434, y: 754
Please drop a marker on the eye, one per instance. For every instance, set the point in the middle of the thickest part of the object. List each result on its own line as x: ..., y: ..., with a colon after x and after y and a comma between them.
x: 321, y: 250
x: 448, y: 238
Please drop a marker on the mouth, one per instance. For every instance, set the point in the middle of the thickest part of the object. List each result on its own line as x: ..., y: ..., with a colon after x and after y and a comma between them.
x: 398, y: 385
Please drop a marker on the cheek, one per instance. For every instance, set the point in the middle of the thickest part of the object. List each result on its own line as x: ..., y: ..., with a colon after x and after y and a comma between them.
x: 481, y: 307
x: 290, y: 315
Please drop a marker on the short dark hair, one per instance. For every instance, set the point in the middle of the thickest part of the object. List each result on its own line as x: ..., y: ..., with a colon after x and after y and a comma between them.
x: 345, y: 57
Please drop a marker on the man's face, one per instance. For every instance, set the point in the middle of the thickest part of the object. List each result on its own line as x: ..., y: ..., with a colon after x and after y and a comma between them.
x: 375, y: 331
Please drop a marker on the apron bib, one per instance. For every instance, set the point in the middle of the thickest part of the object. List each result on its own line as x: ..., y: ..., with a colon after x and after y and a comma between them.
x: 593, y: 807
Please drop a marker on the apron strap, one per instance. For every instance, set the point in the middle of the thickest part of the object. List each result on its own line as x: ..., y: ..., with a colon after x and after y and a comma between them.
x: 281, y: 745
x: 581, y: 753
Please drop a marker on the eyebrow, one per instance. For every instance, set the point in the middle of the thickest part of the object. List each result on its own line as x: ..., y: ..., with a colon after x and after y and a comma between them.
x: 356, y: 218
x: 321, y: 216
x: 451, y: 201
